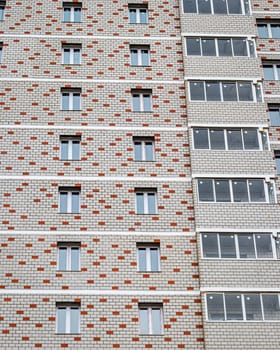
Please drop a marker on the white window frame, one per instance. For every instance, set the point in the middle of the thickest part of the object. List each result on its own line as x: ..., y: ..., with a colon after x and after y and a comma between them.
x: 138, y: 16
x: 274, y: 68
x: 143, y: 149
x: 248, y: 41
x: 146, y: 205
x: 68, y: 247
x: 260, y: 134
x: 243, y: 12
x: 150, y: 309
x: 139, y: 56
x: 141, y: 97
x: 72, y: 13
x: 68, y: 317
x: 71, y: 100
x: 69, y: 200
x: 276, y: 108
x: 266, y: 185
x: 268, y: 25
x: 148, y: 257
x: 71, y: 55
x: 70, y: 148
x: 236, y: 244
x: 1, y: 53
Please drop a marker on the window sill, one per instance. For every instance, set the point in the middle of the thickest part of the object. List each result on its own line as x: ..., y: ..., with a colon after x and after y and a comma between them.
x: 70, y: 160
x: 71, y: 22
x: 68, y: 271
x: 68, y: 333
x: 143, y: 111
x: 139, y: 65
x: 71, y: 64
x: 155, y: 272
x: 71, y: 110
x: 144, y: 161
x: 151, y: 335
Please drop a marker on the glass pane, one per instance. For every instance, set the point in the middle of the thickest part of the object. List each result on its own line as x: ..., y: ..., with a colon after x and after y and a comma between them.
x: 245, y: 92
x: 66, y: 56
x: 200, y: 138
x: 234, y: 139
x: 134, y: 57
x: 274, y: 117
x: 229, y: 91
x: 264, y: 246
x: 154, y: 254
x: 156, y: 321
x: 140, y: 203
x: 268, y: 72
x: 258, y: 90
x: 74, y: 320
x: 75, y: 202
x: 2, y: 13
x: 277, y: 161
x: 227, y: 246
x: 239, y: 47
x: 215, y: 307
x: 143, y: 16
x: 262, y: 31
x: 144, y: 321
x: 204, y: 6
x: 152, y: 203
x: 61, y: 320
x: 62, y: 259
x: 253, y: 307
x: 277, y: 241
x: 75, y: 150
x: 222, y: 191
x: 252, y: 48
x: 233, y: 306
x: 76, y: 102
x: 65, y: 102
x: 225, y: 48
x: 193, y: 46
x: 136, y: 103
x: 77, y: 56
x: 147, y: 103
x: 246, y: 246
x: 240, y: 191
x: 132, y: 16
x: 64, y: 150
x: 271, y: 308
x: 256, y: 189
x: 250, y: 138
x: 77, y: 15
x: 66, y: 14
x: 189, y: 6
x: 149, y: 151
x: 264, y: 141
x: 145, y: 58
x: 63, y: 202
x: 213, y: 91
x: 205, y: 190
x: 220, y: 6
x: 217, y: 139
x: 138, y: 151
x: 142, y: 259
x: 197, y: 91
x: 208, y: 47
x: 234, y: 7
x: 275, y: 31
x: 278, y: 72
x: 210, y: 245
x: 75, y: 259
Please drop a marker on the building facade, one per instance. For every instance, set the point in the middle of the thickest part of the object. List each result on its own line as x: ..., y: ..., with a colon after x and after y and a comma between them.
x: 139, y: 159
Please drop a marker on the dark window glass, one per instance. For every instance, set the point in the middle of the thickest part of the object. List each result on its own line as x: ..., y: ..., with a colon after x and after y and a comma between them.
x: 225, y: 48
x: 227, y: 245
x: 210, y: 245
x: 240, y: 191
x: 271, y: 308
x: 245, y: 92
x: 220, y: 6
x: 200, y: 137
x: 256, y: 189
x: 274, y: 115
x: 197, y: 91
x: 246, y: 246
x: 268, y: 72
x: 239, y: 47
x: 277, y: 161
x: 233, y: 306
x: 213, y: 91
x: 264, y: 246
x: 229, y: 91
x: 234, y: 7
x: 208, y: 47
x: 262, y: 30
x: 222, y: 191
x: 217, y: 139
x: 204, y: 6
x: 193, y: 46
x: 253, y: 307
x: 189, y: 6
x: 275, y: 31
x: 205, y: 190
x: 215, y: 307
x: 234, y: 139
x: 250, y: 138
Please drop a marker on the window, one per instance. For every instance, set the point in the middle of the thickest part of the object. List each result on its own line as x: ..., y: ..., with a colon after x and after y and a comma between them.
x: 71, y: 53
x: 243, y: 307
x: 151, y: 318
x: 271, y: 70
x: 72, y: 11
x: 1, y: 49
x: 68, y: 256
x: 140, y: 55
x: 274, y: 115
x: 148, y: 257
x: 229, y: 139
x: 197, y: 46
x: 236, y: 190
x: 71, y: 99
x: 239, y: 246
x: 69, y: 199
x: 68, y: 318
x: 146, y: 201
x: 2, y: 10
x: 70, y: 148
x: 241, y: 91
x: 277, y: 161
x: 268, y: 29
x: 141, y: 100
x: 138, y: 14
x: 144, y: 148
x: 218, y: 7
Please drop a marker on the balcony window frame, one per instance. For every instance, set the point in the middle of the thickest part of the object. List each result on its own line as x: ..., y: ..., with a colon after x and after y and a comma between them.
x: 245, y: 10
